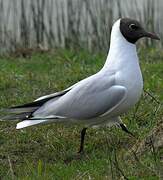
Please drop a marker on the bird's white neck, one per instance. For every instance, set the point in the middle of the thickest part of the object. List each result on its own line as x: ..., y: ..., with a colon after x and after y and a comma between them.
x: 121, y: 51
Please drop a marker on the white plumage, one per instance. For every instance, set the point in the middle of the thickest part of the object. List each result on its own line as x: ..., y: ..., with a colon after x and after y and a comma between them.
x: 100, y: 98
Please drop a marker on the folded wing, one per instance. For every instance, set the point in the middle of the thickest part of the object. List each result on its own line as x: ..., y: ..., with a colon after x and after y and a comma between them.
x: 89, y: 99
x: 25, y: 111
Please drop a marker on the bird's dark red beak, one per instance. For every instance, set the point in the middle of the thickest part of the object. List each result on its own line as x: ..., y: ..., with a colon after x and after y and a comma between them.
x: 151, y: 35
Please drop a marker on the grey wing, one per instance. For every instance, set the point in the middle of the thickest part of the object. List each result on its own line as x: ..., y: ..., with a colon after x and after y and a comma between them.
x: 22, y: 111
x: 87, y: 100
x: 95, y: 105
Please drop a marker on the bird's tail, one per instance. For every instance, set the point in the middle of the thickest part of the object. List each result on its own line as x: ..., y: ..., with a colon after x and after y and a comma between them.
x: 24, y: 114
x: 36, y: 121
x: 24, y: 111
x: 27, y: 123
x: 21, y: 113
x: 17, y: 113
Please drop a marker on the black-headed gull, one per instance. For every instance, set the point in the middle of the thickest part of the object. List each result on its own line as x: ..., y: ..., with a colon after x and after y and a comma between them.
x: 100, y: 99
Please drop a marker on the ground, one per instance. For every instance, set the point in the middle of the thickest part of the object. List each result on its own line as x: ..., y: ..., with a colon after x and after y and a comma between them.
x: 50, y: 151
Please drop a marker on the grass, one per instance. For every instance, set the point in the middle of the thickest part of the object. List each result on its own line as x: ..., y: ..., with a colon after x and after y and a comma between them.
x: 49, y: 151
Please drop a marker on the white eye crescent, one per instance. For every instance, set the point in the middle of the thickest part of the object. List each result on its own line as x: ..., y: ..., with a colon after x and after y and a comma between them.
x: 133, y: 27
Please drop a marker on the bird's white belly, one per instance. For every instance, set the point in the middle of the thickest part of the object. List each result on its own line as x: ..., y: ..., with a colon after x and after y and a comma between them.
x: 132, y: 98
x: 133, y: 82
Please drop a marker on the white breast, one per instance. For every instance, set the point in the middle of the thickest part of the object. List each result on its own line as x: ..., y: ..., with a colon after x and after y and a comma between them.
x: 123, y: 59
x: 131, y: 78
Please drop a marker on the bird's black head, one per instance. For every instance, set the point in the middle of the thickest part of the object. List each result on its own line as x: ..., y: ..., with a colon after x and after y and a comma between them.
x: 132, y: 30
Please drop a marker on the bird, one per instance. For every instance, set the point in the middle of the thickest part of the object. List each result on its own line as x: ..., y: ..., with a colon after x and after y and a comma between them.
x: 99, y: 99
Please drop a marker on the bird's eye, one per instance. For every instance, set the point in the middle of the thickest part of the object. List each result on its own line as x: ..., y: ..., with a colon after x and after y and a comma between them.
x: 133, y: 27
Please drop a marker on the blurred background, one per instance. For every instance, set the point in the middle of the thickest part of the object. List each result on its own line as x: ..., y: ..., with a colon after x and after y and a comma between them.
x: 71, y: 23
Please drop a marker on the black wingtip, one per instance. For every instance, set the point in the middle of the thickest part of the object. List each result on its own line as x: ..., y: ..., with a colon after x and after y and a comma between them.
x: 124, y: 128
